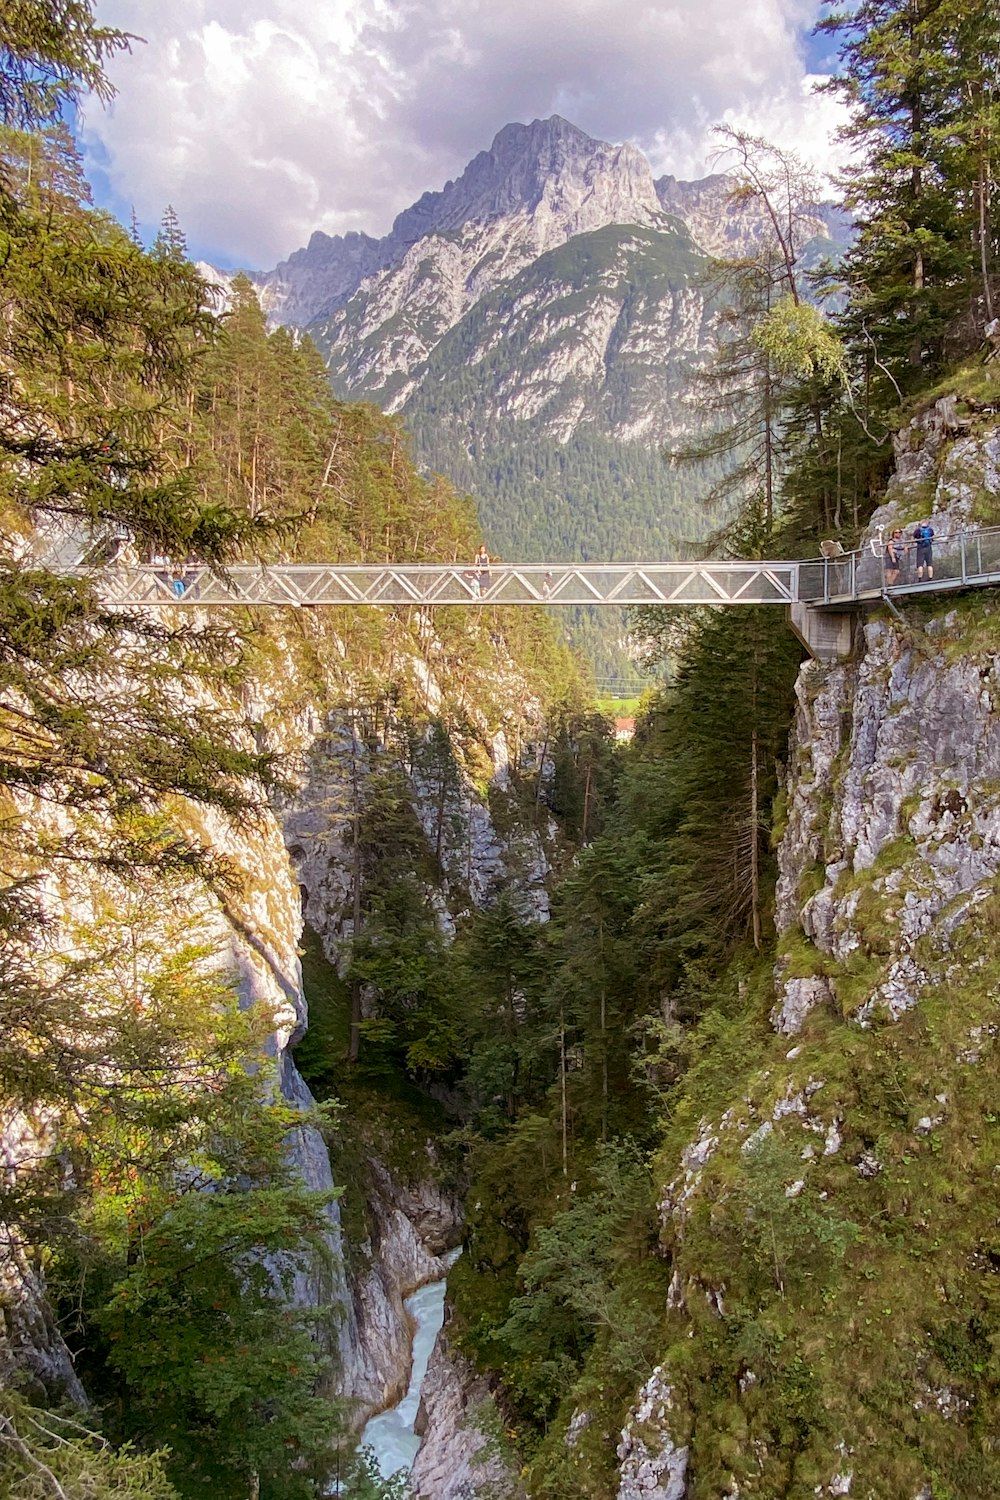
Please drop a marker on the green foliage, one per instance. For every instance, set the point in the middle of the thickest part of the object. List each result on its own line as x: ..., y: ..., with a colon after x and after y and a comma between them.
x: 134, y: 420
x: 52, y: 52
x: 98, y: 345
x: 573, y: 1289
x: 214, y: 1361
x: 365, y: 1482
x: 47, y: 1453
x: 920, y: 82
x: 779, y: 1233
x: 561, y: 1290
x: 165, y: 1202
x: 916, y: 288
x: 713, y: 747
x: 799, y: 341
x: 855, y: 1284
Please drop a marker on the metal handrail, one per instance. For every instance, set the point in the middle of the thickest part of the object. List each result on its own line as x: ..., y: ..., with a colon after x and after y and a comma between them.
x: 727, y: 581
x: 967, y: 555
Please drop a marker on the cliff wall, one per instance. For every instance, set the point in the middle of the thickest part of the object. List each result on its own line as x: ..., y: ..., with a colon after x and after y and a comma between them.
x: 296, y: 859
x: 831, y: 1218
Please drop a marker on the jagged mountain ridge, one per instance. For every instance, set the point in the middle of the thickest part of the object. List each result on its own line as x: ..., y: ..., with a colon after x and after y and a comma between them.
x: 548, y: 172
x: 549, y: 164
x: 537, y: 323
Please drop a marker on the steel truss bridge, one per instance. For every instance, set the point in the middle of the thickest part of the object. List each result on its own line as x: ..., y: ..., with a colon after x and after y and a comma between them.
x: 838, y: 583
x: 426, y: 584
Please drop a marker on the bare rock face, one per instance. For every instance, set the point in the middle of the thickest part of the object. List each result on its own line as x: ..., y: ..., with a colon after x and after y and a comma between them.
x: 943, y: 471
x: 726, y: 228
x: 897, y: 761
x: 314, y: 281
x: 414, y: 1226
x: 30, y: 1342
x: 653, y: 1465
x: 474, y: 857
x: 458, y: 1460
x: 253, y: 932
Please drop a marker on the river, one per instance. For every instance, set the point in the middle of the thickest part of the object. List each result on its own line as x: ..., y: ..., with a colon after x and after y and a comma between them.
x: 390, y: 1435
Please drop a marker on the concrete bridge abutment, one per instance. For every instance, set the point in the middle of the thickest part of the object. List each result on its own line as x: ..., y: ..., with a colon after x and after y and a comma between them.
x: 826, y: 634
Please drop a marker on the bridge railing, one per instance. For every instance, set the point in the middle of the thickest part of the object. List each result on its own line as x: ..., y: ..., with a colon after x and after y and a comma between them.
x: 726, y: 581
x: 969, y: 554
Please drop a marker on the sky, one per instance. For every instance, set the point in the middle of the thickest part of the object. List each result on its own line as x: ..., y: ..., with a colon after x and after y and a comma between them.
x: 260, y: 121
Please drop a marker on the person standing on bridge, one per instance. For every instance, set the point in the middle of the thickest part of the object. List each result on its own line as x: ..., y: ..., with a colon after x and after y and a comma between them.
x: 923, y: 535
x: 894, y: 549
x: 482, y: 567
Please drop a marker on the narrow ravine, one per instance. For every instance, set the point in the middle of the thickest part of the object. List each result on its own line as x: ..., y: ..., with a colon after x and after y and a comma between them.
x: 390, y: 1435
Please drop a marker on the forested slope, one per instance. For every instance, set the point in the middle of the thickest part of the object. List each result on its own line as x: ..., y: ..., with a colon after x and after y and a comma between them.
x: 740, y: 1242
x: 726, y: 1118
x: 165, y: 1176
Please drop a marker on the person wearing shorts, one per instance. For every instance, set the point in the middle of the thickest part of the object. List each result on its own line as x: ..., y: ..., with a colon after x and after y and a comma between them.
x: 893, y: 557
x: 923, y: 536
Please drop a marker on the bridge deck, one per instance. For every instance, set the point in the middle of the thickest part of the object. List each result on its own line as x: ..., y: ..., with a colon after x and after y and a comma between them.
x: 968, y: 559
x: 300, y: 584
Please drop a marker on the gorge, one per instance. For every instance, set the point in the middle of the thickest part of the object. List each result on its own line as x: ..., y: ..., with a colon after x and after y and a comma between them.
x: 334, y: 942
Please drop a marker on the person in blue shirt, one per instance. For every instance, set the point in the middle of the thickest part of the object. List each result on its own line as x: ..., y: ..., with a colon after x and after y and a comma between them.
x: 923, y: 535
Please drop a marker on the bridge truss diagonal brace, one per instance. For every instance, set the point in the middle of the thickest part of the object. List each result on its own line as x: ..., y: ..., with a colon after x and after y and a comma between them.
x: 424, y: 584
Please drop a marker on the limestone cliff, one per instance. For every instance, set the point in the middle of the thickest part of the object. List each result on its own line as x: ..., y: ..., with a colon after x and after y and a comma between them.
x: 297, y: 855
x: 831, y: 1223
x: 461, y: 1452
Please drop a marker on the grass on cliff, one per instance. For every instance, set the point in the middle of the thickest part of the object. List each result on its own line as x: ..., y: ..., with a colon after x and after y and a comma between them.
x: 840, y: 1277
x: 860, y: 1287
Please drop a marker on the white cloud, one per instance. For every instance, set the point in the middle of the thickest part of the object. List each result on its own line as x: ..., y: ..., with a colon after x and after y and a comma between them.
x: 261, y: 120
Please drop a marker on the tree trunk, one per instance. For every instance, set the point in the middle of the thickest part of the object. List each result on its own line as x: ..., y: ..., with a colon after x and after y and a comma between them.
x: 982, y: 205
x: 768, y: 413
x: 439, y: 829
x: 354, y: 1046
x: 586, y: 798
x: 604, y: 1031
x: 541, y: 768
x: 754, y: 842
x: 562, y: 1093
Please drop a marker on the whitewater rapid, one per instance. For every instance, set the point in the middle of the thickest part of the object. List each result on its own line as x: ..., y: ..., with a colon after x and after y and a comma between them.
x: 390, y: 1435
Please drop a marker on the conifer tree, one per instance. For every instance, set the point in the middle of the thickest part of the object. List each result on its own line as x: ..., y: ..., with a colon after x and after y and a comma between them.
x: 52, y: 52
x: 170, y: 243
x: 920, y: 77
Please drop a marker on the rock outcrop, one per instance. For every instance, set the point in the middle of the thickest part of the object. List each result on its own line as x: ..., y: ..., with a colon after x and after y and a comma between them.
x: 457, y: 1421
x: 829, y: 1223
x: 413, y: 1227
x: 651, y: 1471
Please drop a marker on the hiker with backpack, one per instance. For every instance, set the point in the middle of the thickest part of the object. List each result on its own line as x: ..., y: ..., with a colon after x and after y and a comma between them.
x: 923, y: 536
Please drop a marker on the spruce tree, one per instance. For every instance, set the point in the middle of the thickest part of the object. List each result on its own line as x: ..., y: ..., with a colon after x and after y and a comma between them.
x: 52, y: 52
x: 920, y: 78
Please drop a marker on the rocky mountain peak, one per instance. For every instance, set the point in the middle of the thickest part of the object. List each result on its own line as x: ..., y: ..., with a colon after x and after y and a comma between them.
x: 528, y: 165
x: 537, y: 186
x: 319, y: 278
